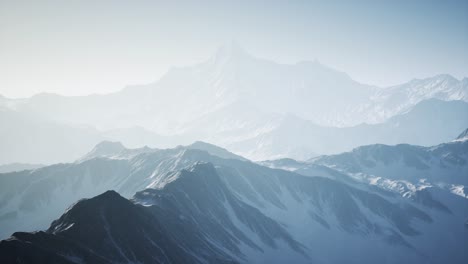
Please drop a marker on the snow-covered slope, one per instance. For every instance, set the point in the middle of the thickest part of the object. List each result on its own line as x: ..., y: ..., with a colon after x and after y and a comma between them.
x: 445, y: 163
x: 237, y: 211
x: 390, y: 101
x: 31, y: 199
x: 428, y: 123
x: 227, y: 208
x: 434, y: 176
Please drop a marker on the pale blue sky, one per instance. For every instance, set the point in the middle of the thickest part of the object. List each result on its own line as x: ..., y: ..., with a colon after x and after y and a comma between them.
x: 82, y: 47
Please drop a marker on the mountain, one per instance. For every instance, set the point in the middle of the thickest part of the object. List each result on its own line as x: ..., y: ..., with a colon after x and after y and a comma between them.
x: 300, y: 88
x: 233, y: 77
x: 216, y: 209
x: 408, y: 170
x: 434, y: 176
x: 114, y: 150
x: 106, y: 149
x: 215, y: 150
x: 293, y: 137
x: 442, y: 164
x: 29, y: 200
x: 400, y: 98
x: 230, y: 76
x: 97, y: 231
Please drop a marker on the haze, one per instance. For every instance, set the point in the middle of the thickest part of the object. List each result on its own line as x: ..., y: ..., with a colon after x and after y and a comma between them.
x: 85, y: 47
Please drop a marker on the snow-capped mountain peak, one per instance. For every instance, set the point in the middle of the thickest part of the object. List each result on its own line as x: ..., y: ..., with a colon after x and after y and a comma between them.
x: 105, y: 149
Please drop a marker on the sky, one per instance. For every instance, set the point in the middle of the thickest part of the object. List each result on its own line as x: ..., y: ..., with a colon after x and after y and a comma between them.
x: 82, y: 47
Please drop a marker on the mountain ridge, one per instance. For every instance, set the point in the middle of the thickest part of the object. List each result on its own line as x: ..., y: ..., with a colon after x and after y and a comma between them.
x: 232, y: 209
x: 237, y: 100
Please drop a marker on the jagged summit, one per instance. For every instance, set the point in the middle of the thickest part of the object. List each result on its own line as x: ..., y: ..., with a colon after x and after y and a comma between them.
x: 114, y: 150
x: 109, y: 146
x: 110, y: 194
x: 80, y: 211
x: 104, y: 149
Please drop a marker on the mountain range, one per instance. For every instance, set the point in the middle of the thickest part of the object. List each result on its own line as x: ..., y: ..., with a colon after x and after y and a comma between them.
x: 203, y: 204
x: 252, y: 106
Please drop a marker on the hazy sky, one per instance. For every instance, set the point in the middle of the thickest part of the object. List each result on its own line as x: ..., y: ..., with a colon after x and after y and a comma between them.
x: 82, y: 47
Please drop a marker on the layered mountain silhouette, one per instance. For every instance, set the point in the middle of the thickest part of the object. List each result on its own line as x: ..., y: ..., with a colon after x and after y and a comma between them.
x: 249, y: 105
x: 202, y: 204
x: 303, y: 165
x: 259, y: 138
